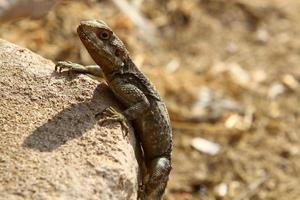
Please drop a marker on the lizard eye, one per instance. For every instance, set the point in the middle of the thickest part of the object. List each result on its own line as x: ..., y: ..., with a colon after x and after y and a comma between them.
x: 104, y: 35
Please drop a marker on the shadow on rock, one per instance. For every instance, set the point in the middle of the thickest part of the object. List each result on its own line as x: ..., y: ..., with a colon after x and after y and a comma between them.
x: 68, y: 124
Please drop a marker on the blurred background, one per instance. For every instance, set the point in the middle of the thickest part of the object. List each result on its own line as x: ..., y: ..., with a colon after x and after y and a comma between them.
x: 228, y: 71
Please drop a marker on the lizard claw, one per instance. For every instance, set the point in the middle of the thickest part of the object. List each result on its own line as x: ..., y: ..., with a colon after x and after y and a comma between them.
x: 141, y: 192
x: 110, y: 114
x: 60, y: 65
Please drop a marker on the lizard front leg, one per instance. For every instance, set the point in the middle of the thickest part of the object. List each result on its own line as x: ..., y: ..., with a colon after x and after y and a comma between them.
x: 94, y: 70
x: 108, y: 114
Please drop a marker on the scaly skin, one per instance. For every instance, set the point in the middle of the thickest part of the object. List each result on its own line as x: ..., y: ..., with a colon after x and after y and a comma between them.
x: 144, y: 106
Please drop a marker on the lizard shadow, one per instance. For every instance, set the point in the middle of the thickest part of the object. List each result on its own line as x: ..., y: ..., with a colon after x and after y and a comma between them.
x: 70, y: 123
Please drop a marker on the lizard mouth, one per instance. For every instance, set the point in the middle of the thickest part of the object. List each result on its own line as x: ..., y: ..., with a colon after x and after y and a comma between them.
x: 89, y: 39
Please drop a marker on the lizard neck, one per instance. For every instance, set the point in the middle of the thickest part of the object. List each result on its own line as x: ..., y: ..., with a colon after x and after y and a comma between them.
x: 128, y: 68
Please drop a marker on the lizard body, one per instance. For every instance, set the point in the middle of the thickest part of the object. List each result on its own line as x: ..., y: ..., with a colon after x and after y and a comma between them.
x: 144, y: 106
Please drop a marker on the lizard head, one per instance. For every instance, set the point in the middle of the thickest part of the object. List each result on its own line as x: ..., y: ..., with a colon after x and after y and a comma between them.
x: 107, y: 50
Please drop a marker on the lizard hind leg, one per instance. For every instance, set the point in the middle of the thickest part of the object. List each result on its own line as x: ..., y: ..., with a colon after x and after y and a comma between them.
x: 159, y: 170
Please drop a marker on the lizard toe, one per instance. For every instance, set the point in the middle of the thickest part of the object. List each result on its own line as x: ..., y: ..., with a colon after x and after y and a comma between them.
x: 61, y: 65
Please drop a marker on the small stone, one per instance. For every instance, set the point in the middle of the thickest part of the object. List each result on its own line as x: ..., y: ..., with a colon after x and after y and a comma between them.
x: 290, y: 81
x: 259, y: 76
x: 205, y: 146
x: 276, y: 90
x: 238, y: 74
x: 172, y: 66
x: 221, y: 190
x: 262, y: 35
x: 233, y: 121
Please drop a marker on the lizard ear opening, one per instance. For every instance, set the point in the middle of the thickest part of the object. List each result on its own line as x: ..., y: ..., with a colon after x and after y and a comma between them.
x: 119, y: 52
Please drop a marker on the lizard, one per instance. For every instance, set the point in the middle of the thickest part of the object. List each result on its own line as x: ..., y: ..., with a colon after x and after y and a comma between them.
x: 144, y: 106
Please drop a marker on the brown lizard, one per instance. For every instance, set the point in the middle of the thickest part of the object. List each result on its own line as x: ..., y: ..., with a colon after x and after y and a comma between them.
x: 144, y: 107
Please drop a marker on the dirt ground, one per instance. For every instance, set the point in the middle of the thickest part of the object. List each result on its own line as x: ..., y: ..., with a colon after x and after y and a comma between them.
x: 229, y: 73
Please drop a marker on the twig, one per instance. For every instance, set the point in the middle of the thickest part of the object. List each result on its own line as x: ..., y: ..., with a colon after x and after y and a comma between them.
x: 146, y: 28
x: 137, y: 3
x: 253, y: 188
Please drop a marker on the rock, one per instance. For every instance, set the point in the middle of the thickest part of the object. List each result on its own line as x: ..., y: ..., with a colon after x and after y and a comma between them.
x: 51, y: 145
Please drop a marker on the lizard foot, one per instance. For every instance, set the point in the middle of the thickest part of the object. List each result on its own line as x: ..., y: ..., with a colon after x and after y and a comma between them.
x: 61, y: 65
x: 110, y: 114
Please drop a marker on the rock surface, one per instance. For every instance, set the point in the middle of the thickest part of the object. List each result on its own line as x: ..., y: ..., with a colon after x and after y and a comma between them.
x: 51, y: 144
